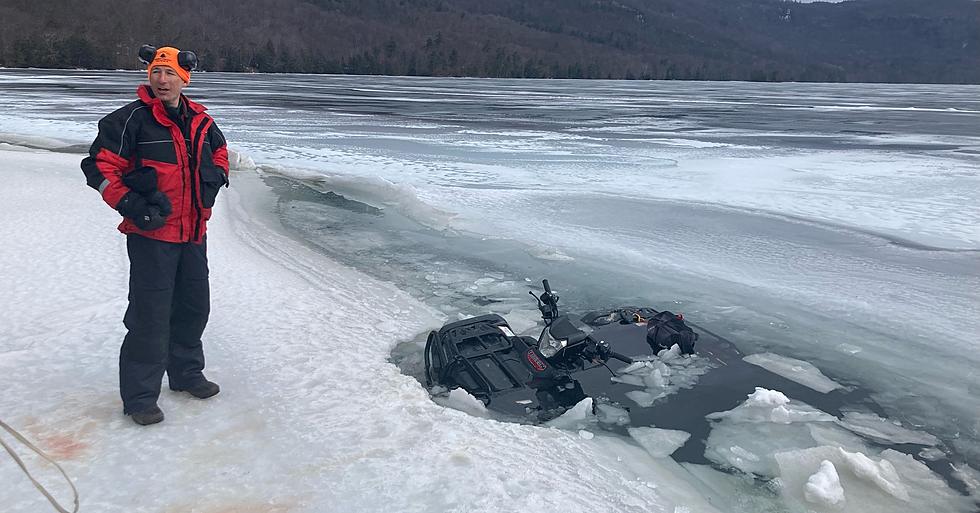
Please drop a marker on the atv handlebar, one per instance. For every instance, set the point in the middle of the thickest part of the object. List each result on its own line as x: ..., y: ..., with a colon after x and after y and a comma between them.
x: 547, y: 303
x: 625, y: 359
x: 602, y: 348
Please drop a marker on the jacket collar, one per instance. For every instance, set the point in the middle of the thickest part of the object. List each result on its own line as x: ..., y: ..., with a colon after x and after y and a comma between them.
x: 145, y: 95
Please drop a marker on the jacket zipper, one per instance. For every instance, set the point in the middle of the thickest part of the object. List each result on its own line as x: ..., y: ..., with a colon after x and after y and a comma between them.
x: 196, y: 168
x: 181, y: 159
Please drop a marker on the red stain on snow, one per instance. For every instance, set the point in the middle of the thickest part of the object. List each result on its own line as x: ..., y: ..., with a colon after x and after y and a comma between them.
x: 63, y: 447
x: 62, y: 444
x: 240, y: 507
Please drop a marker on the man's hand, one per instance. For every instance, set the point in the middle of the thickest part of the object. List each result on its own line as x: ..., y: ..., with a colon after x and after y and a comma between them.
x: 161, y: 201
x: 142, y: 180
x: 146, y: 217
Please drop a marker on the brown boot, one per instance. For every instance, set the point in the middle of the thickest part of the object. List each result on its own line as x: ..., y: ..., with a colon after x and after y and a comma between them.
x: 151, y: 415
x: 201, y: 390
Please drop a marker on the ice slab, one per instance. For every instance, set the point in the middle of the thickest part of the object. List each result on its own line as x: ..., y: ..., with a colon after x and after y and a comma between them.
x: 611, y: 414
x: 747, y: 436
x: 660, y: 443
x: 739, y: 493
x: 749, y: 447
x: 643, y: 399
x: 459, y: 399
x: 636, y: 381
x: 884, y: 430
x: 772, y: 406
x: 969, y: 477
x: 825, y: 433
x: 804, y: 373
x: 881, y: 473
x: 577, y: 417
x: 893, y: 482
x: 932, y: 454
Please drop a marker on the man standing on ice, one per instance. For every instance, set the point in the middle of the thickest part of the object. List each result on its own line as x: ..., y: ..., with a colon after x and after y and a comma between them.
x: 160, y: 162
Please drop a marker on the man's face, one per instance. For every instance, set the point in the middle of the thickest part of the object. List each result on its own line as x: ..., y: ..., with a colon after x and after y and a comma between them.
x: 166, y: 85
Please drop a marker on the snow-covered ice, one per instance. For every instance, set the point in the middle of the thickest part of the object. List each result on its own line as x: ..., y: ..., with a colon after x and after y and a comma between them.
x: 312, y: 417
x: 823, y: 487
x: 823, y: 222
x: 459, y: 399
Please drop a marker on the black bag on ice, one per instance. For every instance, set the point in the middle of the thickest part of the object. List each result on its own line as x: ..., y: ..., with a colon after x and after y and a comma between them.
x: 666, y: 329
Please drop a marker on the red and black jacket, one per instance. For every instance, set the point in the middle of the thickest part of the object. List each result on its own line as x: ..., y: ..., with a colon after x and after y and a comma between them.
x: 190, y: 158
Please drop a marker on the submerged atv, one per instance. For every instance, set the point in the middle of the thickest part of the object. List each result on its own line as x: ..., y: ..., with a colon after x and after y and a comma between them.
x: 572, y: 358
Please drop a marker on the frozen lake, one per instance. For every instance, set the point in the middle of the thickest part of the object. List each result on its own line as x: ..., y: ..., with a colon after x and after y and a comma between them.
x: 836, y: 224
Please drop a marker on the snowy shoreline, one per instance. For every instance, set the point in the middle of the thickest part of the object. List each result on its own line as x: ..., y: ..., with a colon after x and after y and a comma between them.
x: 312, y: 417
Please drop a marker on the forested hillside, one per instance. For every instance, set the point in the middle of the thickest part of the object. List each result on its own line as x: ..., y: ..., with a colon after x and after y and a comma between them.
x: 858, y: 40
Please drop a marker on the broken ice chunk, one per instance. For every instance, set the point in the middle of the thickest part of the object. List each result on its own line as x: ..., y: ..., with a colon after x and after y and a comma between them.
x: 932, y: 454
x: 635, y: 366
x: 655, y: 379
x: 792, y: 369
x: 577, y: 417
x: 670, y: 354
x: 460, y: 400
x: 969, y: 477
x: 881, y: 473
x: 609, y: 414
x: 660, y: 443
x: 641, y: 398
x: 766, y: 397
x: 884, y: 430
x: 636, y: 381
x: 893, y: 483
x: 772, y: 406
x: 823, y: 487
x: 785, y: 414
x: 750, y: 447
x: 826, y: 433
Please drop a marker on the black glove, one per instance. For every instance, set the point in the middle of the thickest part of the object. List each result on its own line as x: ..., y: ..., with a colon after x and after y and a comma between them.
x: 146, y: 217
x: 142, y: 180
x: 161, y: 201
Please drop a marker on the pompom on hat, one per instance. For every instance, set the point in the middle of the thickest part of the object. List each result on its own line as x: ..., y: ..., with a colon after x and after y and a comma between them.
x: 167, y: 56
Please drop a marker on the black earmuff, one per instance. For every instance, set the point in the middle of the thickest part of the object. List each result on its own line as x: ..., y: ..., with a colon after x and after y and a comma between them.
x: 185, y: 59
x: 147, y: 53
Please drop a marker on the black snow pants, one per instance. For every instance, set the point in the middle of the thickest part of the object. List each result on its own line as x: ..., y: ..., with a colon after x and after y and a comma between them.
x: 169, y: 303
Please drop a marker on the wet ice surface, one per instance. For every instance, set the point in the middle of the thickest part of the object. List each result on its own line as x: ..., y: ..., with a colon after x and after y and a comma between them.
x: 882, y: 430
x: 804, y: 373
x: 826, y: 224
x: 660, y: 443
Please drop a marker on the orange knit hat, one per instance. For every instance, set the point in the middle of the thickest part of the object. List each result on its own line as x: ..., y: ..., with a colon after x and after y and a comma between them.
x: 167, y: 56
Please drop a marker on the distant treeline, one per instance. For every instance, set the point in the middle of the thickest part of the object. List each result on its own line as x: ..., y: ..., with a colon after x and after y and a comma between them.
x: 762, y: 40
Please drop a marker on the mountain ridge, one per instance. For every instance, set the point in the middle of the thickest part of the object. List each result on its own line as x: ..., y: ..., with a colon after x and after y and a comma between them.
x: 764, y: 40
